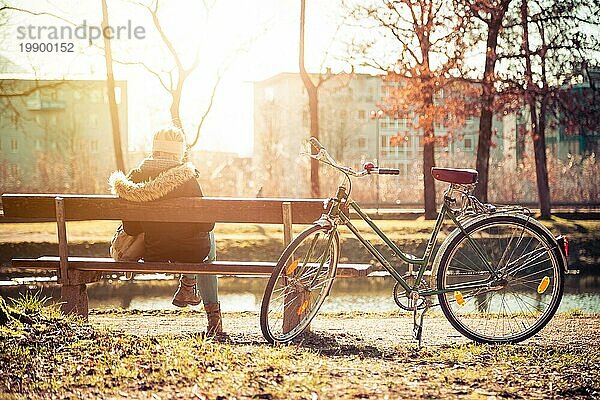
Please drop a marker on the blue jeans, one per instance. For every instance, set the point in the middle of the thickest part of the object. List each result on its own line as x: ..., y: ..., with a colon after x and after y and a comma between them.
x: 207, y: 284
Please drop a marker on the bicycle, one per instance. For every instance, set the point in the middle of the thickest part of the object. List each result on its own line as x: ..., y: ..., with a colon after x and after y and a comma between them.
x: 499, y: 274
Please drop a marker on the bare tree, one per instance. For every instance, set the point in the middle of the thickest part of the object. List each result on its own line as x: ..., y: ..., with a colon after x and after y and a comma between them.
x: 11, y: 91
x: 490, y: 13
x: 173, y: 80
x: 110, y: 84
x: 540, y: 69
x: 312, y: 89
x: 429, y: 47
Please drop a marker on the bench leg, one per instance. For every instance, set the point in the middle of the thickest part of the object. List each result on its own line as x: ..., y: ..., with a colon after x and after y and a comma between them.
x: 74, y: 300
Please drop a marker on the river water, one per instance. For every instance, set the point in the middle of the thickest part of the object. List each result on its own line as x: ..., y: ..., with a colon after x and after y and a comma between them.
x: 373, y: 294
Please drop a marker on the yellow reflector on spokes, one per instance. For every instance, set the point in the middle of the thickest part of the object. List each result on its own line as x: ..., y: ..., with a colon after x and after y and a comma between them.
x: 543, y: 285
x: 303, y: 307
x: 459, y: 298
x: 292, y: 267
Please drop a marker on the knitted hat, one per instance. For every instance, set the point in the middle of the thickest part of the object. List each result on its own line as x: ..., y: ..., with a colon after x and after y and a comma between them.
x: 169, y: 140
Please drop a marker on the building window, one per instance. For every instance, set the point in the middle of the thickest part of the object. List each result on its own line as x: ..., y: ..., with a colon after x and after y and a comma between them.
x: 362, y: 114
x: 468, y: 144
x: 362, y: 143
x: 93, y: 121
x: 76, y: 94
x: 14, y: 170
x: 385, y: 141
x: 269, y: 94
x: 14, y: 145
x: 94, y: 146
x: 96, y: 96
x: 38, y: 144
x: 53, y: 120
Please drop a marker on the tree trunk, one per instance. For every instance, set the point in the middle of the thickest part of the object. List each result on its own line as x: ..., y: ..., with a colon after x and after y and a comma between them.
x: 176, y: 101
x: 174, y: 110
x: 429, y: 161
x: 428, y: 181
x: 313, y: 106
x: 486, y: 115
x: 541, y: 165
x: 110, y: 85
x: 537, y: 128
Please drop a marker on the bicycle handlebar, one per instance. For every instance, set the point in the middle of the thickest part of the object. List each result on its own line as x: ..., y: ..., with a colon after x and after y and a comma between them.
x: 388, y: 171
x: 324, y: 154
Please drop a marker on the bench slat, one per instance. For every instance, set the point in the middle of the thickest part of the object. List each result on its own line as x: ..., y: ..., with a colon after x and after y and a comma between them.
x: 217, y: 267
x: 207, y: 209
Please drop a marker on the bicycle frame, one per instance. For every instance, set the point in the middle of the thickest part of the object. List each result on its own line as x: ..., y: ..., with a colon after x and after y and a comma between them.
x: 471, y: 217
x: 337, y: 212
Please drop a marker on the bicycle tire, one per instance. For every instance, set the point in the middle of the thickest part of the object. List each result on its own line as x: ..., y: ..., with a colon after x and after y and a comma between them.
x: 529, y: 256
x: 308, y: 277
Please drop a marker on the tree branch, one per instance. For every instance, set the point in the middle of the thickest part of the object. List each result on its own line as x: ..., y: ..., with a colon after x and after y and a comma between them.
x: 207, y: 111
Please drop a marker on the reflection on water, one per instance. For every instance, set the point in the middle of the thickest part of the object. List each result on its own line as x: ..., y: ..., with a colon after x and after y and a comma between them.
x: 372, y: 294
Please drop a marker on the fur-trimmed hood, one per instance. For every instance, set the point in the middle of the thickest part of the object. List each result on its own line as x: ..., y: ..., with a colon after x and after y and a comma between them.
x: 153, y: 189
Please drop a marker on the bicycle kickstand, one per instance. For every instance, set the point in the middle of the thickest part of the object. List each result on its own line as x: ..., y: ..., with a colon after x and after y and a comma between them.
x: 418, y: 326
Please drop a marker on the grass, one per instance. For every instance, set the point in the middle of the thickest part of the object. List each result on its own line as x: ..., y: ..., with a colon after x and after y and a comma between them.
x: 102, y: 231
x: 57, y: 357
x: 251, y: 242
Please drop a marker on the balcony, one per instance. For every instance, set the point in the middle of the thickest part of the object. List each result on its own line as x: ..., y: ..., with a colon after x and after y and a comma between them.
x: 43, y: 105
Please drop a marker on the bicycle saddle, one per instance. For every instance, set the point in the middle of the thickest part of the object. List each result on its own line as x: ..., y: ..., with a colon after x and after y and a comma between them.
x: 455, y: 175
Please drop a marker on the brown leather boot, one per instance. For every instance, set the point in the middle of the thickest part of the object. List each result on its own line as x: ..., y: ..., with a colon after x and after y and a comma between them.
x: 186, y: 293
x: 215, y: 322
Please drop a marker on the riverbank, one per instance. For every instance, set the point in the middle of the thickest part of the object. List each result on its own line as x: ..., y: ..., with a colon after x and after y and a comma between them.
x: 245, y: 242
x: 161, y: 355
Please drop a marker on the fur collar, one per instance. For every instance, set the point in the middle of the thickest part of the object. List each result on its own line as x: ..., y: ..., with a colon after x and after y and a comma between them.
x: 154, y: 189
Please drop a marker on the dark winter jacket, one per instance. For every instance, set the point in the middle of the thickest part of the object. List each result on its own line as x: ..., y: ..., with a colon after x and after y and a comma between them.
x: 164, y: 241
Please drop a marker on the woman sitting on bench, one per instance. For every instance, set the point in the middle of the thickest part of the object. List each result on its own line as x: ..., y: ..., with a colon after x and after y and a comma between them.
x: 164, y: 175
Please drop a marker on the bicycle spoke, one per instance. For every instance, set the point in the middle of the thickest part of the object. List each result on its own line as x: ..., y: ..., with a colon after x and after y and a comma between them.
x: 513, y: 309
x: 299, y: 285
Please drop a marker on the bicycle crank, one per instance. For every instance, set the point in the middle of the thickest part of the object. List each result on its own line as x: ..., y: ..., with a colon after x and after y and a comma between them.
x: 403, y: 298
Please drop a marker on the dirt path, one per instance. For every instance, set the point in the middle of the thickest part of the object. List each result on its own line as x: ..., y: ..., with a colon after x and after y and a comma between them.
x: 379, y: 332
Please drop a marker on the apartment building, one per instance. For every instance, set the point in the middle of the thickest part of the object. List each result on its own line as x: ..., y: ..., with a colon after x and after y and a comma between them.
x: 354, y: 130
x: 56, y: 135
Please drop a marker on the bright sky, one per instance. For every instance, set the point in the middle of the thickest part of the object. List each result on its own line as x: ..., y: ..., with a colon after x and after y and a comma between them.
x: 246, y: 40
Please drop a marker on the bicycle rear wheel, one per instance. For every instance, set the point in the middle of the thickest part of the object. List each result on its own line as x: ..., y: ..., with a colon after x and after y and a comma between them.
x: 299, y: 284
x: 523, y: 297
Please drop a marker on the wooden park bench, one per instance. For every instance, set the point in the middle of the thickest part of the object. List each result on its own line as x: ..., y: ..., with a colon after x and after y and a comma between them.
x: 74, y: 273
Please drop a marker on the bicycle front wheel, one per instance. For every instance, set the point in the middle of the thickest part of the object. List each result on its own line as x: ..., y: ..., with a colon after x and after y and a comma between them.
x: 505, y: 279
x: 299, y: 284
